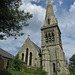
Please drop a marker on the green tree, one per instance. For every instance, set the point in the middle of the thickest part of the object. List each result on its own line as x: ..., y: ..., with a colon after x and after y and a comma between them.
x: 12, y: 20
x: 16, y: 63
x: 72, y: 64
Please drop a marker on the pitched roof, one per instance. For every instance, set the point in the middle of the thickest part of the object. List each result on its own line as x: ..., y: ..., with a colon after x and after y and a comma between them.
x: 37, y: 47
x: 6, y: 54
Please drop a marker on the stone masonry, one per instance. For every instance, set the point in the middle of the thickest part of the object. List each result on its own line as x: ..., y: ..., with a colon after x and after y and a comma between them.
x: 51, y: 55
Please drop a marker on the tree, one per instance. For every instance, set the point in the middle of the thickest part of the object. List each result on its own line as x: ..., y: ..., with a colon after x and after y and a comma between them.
x: 12, y: 20
x: 72, y: 63
x: 16, y: 63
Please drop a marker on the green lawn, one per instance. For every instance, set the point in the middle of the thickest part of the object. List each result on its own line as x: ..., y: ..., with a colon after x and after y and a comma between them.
x: 24, y: 73
x: 21, y: 73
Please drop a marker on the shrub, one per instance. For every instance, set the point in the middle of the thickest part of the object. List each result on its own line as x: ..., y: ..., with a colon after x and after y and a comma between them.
x: 27, y: 70
x: 16, y: 63
x: 37, y: 70
x: 40, y: 71
x: 4, y: 72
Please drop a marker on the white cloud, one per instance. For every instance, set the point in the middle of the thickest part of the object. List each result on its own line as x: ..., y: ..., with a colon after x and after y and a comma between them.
x: 11, y: 45
x: 36, y: 22
x: 72, y: 8
x: 60, y: 2
x: 55, y: 8
x: 27, y: 1
x: 52, y: 1
x: 66, y: 24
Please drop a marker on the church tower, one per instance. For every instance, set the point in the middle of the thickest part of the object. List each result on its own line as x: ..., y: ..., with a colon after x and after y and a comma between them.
x: 53, y: 57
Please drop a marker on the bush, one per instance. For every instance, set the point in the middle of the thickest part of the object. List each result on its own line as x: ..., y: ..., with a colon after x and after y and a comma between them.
x: 37, y: 70
x: 4, y: 72
x: 72, y: 70
x: 27, y: 70
x: 40, y: 71
x: 16, y: 63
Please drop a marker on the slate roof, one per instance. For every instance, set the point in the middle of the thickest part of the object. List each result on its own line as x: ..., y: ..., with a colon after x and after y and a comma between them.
x: 37, y: 47
x: 5, y: 54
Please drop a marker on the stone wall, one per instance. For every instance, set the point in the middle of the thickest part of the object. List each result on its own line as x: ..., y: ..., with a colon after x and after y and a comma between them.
x: 3, y: 62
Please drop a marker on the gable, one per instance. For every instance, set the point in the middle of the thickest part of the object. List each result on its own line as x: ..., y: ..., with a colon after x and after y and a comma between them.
x: 31, y: 45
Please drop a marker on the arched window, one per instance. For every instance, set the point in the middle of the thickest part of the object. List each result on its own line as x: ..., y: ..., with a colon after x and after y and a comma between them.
x: 53, y: 37
x: 54, y: 67
x: 22, y: 56
x: 48, y: 21
x: 30, y: 60
x: 49, y: 37
x: 46, y: 38
x: 26, y: 59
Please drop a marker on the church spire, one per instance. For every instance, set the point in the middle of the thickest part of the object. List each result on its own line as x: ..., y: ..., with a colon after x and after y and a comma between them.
x: 50, y: 16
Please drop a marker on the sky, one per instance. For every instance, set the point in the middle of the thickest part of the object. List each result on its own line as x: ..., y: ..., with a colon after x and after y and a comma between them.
x: 65, y: 13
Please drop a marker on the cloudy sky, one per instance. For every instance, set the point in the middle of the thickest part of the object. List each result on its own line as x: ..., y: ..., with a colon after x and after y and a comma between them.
x: 64, y: 12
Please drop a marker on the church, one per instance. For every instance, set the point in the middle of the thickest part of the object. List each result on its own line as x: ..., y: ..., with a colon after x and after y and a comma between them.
x: 51, y: 55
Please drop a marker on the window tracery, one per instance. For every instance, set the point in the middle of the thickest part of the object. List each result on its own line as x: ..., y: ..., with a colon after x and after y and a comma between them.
x: 49, y: 37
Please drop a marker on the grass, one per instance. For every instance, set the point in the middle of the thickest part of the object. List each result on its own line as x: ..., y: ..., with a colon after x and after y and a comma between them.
x: 24, y: 73
x: 21, y: 73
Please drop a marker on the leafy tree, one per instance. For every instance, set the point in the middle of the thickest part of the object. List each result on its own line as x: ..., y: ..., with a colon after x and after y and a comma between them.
x: 12, y: 20
x: 72, y: 63
x: 16, y: 63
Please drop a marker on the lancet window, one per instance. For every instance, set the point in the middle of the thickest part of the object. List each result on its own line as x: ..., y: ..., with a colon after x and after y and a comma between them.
x: 49, y: 37
x: 46, y: 38
x: 30, y: 61
x: 53, y: 37
x: 26, y: 59
x: 48, y: 21
x: 54, y: 67
x: 22, y: 56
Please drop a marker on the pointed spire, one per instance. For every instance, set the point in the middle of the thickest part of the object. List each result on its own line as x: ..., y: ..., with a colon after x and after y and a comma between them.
x: 49, y: 2
x: 50, y: 16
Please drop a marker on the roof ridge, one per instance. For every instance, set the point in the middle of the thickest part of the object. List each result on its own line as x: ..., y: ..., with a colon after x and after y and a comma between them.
x: 36, y: 45
x: 5, y: 53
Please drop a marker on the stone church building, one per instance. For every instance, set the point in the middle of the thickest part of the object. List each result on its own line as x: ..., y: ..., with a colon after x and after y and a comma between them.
x: 51, y: 55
